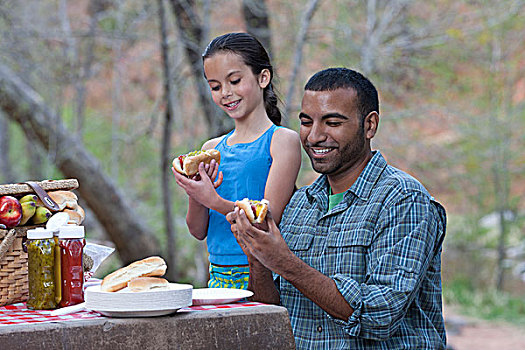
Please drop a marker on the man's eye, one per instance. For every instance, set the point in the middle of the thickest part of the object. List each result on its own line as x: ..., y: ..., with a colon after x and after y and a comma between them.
x: 235, y: 82
x: 333, y: 124
x: 306, y: 122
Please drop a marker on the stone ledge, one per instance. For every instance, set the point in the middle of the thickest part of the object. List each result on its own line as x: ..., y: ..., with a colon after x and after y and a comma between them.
x: 259, y: 327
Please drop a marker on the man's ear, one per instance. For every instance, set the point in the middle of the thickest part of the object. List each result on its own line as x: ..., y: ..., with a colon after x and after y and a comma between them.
x: 264, y: 78
x: 371, y: 124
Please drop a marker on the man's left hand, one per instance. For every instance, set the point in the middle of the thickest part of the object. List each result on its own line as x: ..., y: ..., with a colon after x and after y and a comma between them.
x: 263, y: 241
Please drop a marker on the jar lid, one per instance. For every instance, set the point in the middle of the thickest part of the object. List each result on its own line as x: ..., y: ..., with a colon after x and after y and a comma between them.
x: 71, y: 231
x: 39, y: 233
x: 57, y: 220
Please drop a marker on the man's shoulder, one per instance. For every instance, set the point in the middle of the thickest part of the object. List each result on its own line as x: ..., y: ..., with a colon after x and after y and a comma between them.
x: 400, y: 181
x: 396, y: 184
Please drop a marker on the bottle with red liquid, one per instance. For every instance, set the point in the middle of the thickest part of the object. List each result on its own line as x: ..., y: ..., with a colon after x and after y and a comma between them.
x: 71, y: 241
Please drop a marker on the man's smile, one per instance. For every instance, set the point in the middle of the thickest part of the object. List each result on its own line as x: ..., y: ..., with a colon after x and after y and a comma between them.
x: 321, y: 152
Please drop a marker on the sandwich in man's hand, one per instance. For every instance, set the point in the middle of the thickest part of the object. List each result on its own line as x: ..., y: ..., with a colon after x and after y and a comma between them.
x: 255, y: 210
x: 188, y: 164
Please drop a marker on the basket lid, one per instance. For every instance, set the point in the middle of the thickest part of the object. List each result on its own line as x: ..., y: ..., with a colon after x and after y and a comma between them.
x: 39, y: 233
x: 71, y: 231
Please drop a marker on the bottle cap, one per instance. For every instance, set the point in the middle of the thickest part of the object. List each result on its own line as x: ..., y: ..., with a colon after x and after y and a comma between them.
x: 39, y: 233
x: 71, y: 231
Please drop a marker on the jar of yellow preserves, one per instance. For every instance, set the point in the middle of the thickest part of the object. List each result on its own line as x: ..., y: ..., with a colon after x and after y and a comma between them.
x: 54, y: 223
x: 41, y: 269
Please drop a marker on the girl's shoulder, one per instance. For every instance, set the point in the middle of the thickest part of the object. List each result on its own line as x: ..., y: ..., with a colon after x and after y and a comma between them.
x: 212, y: 143
x: 285, y: 142
x: 284, y: 135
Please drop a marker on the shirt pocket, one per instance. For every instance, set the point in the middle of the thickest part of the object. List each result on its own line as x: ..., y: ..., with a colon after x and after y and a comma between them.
x: 347, y: 253
x: 300, y: 244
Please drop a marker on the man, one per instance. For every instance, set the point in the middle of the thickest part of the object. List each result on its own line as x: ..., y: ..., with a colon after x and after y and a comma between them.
x: 357, y: 259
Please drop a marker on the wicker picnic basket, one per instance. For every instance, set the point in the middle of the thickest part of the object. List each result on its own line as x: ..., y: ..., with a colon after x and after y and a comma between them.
x: 13, y: 259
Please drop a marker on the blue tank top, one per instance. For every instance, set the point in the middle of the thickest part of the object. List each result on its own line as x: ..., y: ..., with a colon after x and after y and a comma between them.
x: 245, y: 167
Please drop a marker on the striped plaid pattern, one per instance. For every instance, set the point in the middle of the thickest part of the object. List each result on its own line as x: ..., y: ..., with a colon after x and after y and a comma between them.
x: 382, y: 247
x: 229, y: 277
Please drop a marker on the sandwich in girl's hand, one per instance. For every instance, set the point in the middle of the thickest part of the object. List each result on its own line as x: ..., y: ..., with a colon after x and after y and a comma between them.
x: 188, y: 164
x: 255, y: 210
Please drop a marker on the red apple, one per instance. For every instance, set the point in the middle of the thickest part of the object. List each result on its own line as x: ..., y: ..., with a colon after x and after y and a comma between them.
x: 10, y: 211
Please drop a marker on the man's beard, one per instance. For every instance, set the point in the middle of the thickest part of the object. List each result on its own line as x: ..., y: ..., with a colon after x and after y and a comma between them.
x: 348, y: 155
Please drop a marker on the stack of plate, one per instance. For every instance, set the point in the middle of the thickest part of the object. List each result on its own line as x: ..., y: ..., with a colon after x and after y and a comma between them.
x: 139, y: 304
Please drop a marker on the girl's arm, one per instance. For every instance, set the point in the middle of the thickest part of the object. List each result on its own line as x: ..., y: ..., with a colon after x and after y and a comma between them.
x: 286, y: 153
x: 197, y: 215
x: 208, y: 196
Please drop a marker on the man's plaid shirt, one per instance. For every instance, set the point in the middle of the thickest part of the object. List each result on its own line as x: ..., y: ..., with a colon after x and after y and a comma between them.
x: 382, y: 246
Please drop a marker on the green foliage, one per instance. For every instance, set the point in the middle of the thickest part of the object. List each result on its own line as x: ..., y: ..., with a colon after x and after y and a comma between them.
x: 488, y: 304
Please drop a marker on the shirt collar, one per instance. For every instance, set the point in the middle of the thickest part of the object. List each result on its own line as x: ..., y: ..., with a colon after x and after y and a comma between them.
x: 362, y: 187
x: 364, y: 184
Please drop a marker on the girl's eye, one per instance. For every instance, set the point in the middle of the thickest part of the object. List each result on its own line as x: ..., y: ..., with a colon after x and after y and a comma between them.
x: 215, y: 88
x: 235, y: 82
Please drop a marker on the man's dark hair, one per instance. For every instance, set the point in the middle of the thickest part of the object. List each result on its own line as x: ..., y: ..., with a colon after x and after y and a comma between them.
x: 344, y: 78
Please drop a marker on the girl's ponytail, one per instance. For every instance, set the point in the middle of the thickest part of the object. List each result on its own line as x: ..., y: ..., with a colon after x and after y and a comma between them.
x: 270, y: 104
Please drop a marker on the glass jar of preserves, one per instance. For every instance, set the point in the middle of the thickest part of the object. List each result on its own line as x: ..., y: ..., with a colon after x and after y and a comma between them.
x: 54, y: 223
x: 71, y: 241
x: 40, y: 264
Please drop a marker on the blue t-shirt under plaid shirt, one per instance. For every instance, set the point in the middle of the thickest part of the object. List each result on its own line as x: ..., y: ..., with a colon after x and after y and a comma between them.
x: 382, y: 247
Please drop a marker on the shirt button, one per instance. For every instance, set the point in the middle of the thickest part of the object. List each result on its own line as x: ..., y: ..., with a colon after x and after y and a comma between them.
x: 319, y: 329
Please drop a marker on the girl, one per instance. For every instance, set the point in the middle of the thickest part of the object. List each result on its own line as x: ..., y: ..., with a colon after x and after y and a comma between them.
x: 259, y: 158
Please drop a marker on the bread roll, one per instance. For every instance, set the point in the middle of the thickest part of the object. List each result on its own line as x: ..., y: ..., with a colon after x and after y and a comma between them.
x: 255, y: 210
x: 81, y: 212
x: 190, y: 162
x: 147, y: 284
x: 64, y: 199
x: 74, y: 217
x: 152, y: 266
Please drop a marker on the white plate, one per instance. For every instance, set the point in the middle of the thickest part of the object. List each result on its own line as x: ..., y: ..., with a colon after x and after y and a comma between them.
x: 137, y: 313
x: 207, y: 296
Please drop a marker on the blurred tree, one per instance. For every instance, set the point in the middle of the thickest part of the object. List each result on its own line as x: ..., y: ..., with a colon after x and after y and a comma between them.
x: 494, y: 138
x: 6, y: 172
x: 26, y: 107
x: 255, y: 13
x: 298, y: 56
x: 191, y: 31
x: 165, y: 150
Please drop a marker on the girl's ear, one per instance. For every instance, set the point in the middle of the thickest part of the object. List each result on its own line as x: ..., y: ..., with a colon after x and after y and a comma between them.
x: 264, y: 78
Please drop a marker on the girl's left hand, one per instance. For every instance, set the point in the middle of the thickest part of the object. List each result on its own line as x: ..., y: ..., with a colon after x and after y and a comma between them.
x: 212, y: 170
x: 200, y: 187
